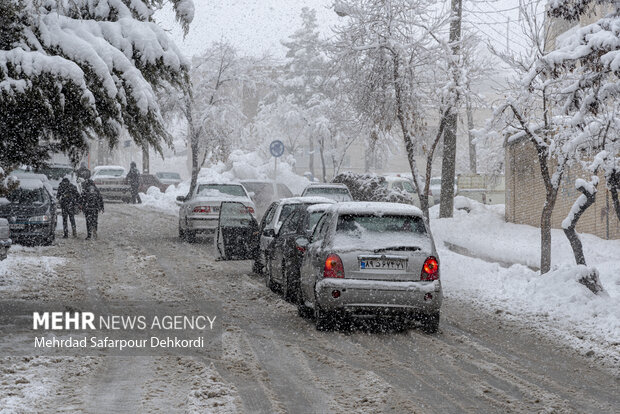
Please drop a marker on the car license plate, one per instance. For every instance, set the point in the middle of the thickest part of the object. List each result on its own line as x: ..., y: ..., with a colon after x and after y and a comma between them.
x: 18, y: 226
x: 383, y: 264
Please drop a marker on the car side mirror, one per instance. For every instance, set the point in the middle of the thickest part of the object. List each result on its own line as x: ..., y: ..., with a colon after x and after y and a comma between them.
x: 182, y: 199
x: 269, y: 233
x: 302, y: 243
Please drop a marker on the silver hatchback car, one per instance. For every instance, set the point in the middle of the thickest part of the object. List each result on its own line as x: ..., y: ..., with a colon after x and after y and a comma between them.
x: 370, y: 259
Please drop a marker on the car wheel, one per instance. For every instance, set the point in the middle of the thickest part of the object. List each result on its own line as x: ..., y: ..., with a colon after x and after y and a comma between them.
x: 430, y: 322
x: 290, y: 288
x: 304, y: 311
x: 190, y: 236
x: 268, y: 281
x: 324, y: 321
x: 257, y: 267
x: 182, y: 235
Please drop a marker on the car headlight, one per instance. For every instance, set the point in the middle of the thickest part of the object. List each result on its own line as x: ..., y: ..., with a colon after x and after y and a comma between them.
x: 39, y: 219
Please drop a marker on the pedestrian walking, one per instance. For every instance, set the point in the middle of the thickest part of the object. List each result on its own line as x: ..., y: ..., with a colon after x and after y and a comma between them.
x: 133, y: 179
x: 69, y: 198
x: 92, y: 204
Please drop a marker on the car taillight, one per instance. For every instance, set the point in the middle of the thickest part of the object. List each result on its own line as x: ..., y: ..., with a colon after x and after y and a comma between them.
x: 202, y: 209
x: 430, y: 270
x: 249, y: 210
x: 333, y: 267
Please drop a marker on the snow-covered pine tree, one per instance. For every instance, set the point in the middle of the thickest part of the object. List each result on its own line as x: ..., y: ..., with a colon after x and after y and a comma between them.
x: 76, y: 70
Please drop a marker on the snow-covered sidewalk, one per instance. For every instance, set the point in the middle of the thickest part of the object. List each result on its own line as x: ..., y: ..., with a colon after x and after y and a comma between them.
x: 554, y: 303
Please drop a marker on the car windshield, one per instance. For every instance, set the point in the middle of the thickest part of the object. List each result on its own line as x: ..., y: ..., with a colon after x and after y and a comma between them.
x: 110, y: 172
x: 313, y: 219
x: 357, y: 224
x: 55, y: 173
x: 408, y: 186
x: 334, y: 193
x: 168, y: 176
x: 286, y: 210
x: 217, y: 190
x: 27, y: 196
x: 435, y: 181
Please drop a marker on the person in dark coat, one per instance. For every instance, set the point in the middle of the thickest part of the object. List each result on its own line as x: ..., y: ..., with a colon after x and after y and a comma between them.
x: 69, y: 198
x: 133, y: 179
x: 92, y: 204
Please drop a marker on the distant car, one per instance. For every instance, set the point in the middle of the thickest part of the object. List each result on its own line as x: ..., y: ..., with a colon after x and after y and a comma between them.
x: 31, y: 213
x: 199, y: 214
x: 285, y: 255
x: 169, y: 178
x: 336, y: 192
x: 370, y: 259
x: 5, y: 238
x: 405, y: 187
x: 55, y: 172
x: 110, y: 180
x: 148, y: 180
x: 264, y: 192
x: 272, y: 220
x: 435, y: 186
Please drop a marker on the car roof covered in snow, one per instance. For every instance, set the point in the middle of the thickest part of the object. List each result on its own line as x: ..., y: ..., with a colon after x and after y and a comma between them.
x: 29, y: 175
x: 108, y: 167
x: 206, y: 182
x: 395, y: 178
x: 376, y: 208
x: 307, y: 200
x: 31, y: 183
x: 327, y: 185
x: 317, y: 208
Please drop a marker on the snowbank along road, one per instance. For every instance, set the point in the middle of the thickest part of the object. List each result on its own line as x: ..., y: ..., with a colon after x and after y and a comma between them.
x: 268, y: 359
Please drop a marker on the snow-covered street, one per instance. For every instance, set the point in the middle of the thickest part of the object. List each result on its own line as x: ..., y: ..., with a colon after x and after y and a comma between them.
x: 486, y: 358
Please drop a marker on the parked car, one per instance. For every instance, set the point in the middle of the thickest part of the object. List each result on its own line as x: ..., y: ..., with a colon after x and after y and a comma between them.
x: 169, y: 178
x: 55, y: 172
x: 31, y: 213
x: 272, y: 220
x: 263, y: 193
x: 336, y: 192
x: 405, y: 187
x: 5, y: 238
x: 199, y: 213
x: 110, y: 180
x: 370, y: 259
x: 29, y: 175
x: 285, y: 255
x: 149, y: 180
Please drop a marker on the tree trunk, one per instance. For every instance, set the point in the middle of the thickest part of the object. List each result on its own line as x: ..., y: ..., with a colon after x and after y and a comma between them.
x: 472, y: 147
x: 448, y: 165
x: 311, y: 156
x: 322, y: 152
x: 370, y: 151
x: 613, y: 183
x: 194, y: 147
x: 581, y: 204
x: 545, y: 233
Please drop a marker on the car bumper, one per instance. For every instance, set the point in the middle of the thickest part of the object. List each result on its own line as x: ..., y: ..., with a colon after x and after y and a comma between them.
x: 374, y: 297
x: 114, y: 193
x: 202, y: 224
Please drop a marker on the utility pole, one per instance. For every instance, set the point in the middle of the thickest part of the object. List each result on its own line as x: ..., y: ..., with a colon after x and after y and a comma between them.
x: 470, y: 127
x: 448, y: 166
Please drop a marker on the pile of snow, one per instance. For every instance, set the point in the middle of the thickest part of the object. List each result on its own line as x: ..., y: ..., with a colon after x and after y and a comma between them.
x: 240, y: 166
x: 497, y: 271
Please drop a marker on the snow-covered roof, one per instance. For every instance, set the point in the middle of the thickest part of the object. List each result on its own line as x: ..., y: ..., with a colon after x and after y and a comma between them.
x: 30, y: 183
x: 316, y: 208
x: 306, y: 200
x: 376, y: 208
x: 326, y: 185
x: 29, y: 175
x: 108, y: 167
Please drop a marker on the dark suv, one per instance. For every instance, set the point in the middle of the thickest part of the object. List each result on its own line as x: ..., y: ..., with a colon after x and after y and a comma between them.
x: 31, y: 212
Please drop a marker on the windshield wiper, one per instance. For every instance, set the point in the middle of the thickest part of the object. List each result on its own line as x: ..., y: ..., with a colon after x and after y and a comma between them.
x: 398, y: 248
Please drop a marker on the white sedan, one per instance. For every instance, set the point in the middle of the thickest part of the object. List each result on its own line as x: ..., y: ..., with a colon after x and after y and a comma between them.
x: 199, y: 214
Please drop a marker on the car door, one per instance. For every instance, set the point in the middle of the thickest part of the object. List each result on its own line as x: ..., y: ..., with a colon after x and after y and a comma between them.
x: 237, y: 232
x: 311, y: 264
x: 278, y: 248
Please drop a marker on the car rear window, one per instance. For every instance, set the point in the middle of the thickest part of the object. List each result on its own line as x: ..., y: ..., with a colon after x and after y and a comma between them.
x: 168, y: 176
x: 212, y: 190
x: 110, y: 173
x: 313, y: 219
x: 326, y: 190
x: 361, y: 223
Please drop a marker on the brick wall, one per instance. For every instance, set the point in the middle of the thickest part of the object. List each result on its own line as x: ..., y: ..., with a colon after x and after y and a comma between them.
x: 525, y: 195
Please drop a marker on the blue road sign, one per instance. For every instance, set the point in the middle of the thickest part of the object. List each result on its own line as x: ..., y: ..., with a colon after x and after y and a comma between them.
x: 276, y: 148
